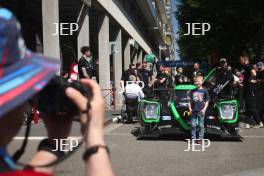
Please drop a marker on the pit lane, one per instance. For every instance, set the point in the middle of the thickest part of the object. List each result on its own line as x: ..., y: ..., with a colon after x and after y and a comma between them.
x: 166, y: 156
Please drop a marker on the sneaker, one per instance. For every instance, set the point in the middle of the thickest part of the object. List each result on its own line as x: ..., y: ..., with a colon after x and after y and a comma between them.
x: 198, y: 142
x: 247, y: 126
x: 242, y: 124
x: 260, y: 125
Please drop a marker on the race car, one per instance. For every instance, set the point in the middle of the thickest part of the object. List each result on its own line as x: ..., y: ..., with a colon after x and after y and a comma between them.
x: 158, y: 117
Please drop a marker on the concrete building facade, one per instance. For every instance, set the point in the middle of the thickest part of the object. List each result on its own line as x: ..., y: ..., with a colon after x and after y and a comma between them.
x: 119, y: 32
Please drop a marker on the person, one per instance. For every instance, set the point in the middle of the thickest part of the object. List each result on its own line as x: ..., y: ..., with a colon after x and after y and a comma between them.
x: 243, y: 71
x: 138, y: 73
x: 132, y: 94
x: 260, y: 98
x: 125, y: 76
x: 169, y: 78
x: 34, y: 72
x: 252, y: 95
x: 179, y: 77
x: 146, y: 78
x: 249, y: 92
x: 138, y: 66
x: 225, y: 77
x: 133, y: 90
x: 251, y: 98
x: 161, y: 77
x: 162, y: 83
x: 199, y: 100
x: 85, y: 64
x: 197, y: 70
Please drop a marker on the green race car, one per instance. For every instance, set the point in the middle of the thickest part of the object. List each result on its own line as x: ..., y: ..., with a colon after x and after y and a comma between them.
x: 158, y: 117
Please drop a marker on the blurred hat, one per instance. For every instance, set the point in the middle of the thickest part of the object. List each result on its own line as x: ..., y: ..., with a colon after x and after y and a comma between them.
x: 260, y: 64
x: 22, y: 73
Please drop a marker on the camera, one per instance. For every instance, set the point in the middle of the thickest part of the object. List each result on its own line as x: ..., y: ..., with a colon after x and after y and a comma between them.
x: 53, y: 100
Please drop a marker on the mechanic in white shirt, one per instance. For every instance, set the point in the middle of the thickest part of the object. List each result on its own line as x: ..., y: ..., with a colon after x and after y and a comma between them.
x: 133, y: 90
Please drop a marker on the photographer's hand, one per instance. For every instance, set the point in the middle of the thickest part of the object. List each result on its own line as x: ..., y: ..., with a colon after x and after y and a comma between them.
x: 92, y: 127
x: 92, y: 121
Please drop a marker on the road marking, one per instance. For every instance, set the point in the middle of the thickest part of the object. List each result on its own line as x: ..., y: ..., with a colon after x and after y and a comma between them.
x: 128, y: 134
x: 118, y: 134
x: 255, y: 172
x: 253, y: 136
x: 38, y: 138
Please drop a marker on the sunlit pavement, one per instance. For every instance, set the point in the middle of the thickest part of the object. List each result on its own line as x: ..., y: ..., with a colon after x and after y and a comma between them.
x: 166, y: 157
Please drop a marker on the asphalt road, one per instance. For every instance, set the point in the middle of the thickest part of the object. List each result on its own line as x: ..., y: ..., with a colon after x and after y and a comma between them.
x: 165, y: 157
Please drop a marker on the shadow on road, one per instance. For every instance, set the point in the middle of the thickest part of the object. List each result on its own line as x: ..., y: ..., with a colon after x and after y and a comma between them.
x: 181, y: 136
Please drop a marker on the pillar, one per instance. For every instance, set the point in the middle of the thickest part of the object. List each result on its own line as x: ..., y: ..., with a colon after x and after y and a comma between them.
x: 134, y: 55
x: 84, y: 30
x: 127, y: 53
x: 117, y: 63
x: 104, y: 57
x: 50, y: 15
x: 140, y: 56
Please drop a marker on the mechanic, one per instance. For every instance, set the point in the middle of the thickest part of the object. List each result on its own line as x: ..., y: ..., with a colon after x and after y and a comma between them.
x: 224, y: 74
x: 179, y: 77
x: 243, y: 71
x: 133, y: 90
x: 249, y: 91
x: 33, y: 72
x: 260, y: 98
x: 125, y: 76
x: 251, y: 98
x: 162, y: 83
x: 85, y: 65
x: 146, y: 78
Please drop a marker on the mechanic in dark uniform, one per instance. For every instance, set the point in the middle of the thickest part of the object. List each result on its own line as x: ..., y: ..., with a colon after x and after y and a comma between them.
x: 243, y: 72
x: 179, y: 77
x: 85, y: 64
x: 162, y: 83
x: 146, y: 78
x: 223, y: 75
x: 260, y: 98
x: 249, y: 91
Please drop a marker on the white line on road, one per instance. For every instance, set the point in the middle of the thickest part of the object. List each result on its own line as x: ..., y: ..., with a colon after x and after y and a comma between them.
x: 38, y: 138
x: 118, y: 134
x: 128, y: 134
x: 253, y: 136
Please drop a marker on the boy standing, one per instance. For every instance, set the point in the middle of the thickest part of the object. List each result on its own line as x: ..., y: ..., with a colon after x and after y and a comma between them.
x: 198, y: 105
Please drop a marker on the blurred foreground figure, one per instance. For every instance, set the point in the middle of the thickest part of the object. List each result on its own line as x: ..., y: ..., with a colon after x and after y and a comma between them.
x: 22, y: 75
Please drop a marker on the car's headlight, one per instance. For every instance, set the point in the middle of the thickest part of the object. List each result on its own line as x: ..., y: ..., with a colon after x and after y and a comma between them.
x: 227, y: 111
x: 151, y: 111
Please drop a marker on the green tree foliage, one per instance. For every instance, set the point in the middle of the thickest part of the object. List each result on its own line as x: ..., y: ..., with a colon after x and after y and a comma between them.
x: 236, y: 26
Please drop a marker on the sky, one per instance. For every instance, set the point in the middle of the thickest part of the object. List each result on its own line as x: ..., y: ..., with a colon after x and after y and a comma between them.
x: 175, y: 28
